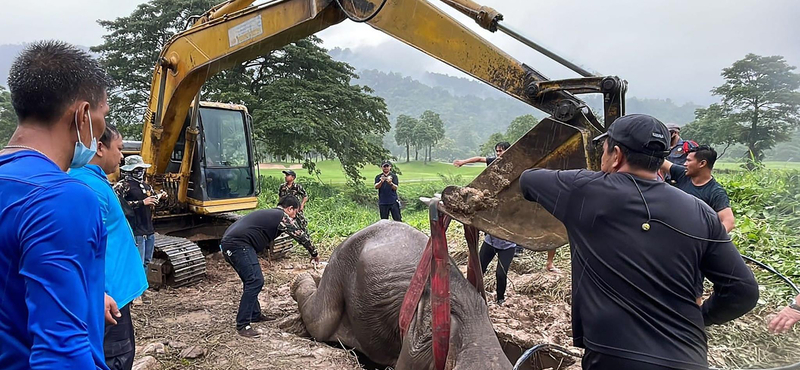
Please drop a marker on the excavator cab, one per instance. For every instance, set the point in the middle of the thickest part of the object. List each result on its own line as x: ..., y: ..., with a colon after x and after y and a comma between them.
x: 224, y: 175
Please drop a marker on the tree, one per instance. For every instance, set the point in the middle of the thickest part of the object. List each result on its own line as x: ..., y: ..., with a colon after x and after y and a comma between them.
x: 519, y: 127
x: 712, y: 126
x: 405, y: 129
x: 430, y: 131
x: 8, y: 119
x: 302, y: 101
x: 760, y: 103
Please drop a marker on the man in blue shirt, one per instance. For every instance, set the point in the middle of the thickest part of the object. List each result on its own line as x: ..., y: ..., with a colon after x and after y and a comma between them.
x: 386, y: 183
x: 125, y: 277
x: 52, y: 238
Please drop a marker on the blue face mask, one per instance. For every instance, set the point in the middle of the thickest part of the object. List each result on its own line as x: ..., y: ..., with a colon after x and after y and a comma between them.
x: 82, y: 154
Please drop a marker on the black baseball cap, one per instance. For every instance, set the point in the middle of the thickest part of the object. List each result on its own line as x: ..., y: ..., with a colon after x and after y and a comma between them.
x: 386, y: 163
x: 289, y: 172
x: 640, y: 133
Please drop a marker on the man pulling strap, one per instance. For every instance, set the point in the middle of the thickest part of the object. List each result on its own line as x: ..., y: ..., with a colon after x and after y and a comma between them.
x: 250, y: 235
x: 640, y: 249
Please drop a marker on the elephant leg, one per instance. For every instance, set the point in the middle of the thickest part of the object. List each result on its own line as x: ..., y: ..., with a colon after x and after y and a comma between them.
x: 320, y: 307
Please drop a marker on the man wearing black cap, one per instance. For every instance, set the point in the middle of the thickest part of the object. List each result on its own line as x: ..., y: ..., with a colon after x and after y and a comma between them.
x: 677, y: 152
x: 640, y: 250
x: 386, y: 183
x: 290, y: 187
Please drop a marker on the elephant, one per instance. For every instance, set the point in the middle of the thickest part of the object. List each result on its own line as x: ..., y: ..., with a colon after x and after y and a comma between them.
x: 358, y: 299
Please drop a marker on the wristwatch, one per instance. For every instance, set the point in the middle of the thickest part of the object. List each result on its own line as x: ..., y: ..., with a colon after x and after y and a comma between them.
x: 794, y: 305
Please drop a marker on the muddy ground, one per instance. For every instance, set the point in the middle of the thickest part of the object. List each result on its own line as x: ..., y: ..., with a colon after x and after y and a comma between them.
x: 537, y: 310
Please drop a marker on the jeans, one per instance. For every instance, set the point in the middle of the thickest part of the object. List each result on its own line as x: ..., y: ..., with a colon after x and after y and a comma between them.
x: 504, y: 257
x: 146, y: 244
x: 394, y: 208
x: 244, y: 260
x: 119, y: 342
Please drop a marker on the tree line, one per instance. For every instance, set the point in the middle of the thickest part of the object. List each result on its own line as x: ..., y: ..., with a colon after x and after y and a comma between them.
x: 421, y: 133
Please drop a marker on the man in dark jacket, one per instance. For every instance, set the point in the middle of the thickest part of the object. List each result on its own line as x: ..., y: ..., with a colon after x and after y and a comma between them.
x: 250, y: 235
x: 142, y: 198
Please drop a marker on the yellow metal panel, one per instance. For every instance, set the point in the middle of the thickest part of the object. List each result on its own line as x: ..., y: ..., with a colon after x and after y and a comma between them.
x: 222, y: 205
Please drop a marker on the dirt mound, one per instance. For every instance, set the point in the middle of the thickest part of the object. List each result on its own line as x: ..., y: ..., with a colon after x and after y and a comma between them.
x: 204, y: 315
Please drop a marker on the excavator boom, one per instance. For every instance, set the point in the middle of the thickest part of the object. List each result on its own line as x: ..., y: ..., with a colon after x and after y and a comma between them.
x: 235, y: 32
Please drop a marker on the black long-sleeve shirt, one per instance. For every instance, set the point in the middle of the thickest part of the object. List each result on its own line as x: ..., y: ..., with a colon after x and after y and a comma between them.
x: 259, y: 228
x: 633, y: 289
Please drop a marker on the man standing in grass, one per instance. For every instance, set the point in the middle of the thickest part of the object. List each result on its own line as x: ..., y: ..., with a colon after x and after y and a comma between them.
x: 290, y: 187
x: 386, y: 183
x: 500, y: 244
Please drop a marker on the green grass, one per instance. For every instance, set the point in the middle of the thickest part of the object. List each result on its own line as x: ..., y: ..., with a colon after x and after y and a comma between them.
x: 772, y: 165
x: 332, y: 172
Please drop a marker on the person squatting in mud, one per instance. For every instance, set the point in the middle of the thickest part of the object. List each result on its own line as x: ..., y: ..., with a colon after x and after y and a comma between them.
x: 250, y: 235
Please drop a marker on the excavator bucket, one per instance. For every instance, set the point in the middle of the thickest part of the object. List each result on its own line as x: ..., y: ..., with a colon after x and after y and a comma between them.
x: 493, y: 202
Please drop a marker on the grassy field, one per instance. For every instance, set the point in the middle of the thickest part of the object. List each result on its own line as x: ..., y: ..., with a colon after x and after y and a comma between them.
x: 411, y: 172
x: 769, y: 165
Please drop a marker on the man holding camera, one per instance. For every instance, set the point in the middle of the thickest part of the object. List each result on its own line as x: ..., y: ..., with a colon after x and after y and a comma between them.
x: 386, y: 183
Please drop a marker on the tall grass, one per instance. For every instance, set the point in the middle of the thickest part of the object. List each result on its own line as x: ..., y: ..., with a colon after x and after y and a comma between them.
x: 336, y: 211
x: 766, y: 204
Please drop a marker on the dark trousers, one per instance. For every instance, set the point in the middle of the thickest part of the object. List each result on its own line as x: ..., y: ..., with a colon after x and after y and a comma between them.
x: 244, y: 260
x: 599, y: 361
x: 119, y: 343
x: 394, y: 208
x: 504, y: 257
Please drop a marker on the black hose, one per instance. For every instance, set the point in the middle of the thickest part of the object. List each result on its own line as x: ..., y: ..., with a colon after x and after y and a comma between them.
x: 547, y: 346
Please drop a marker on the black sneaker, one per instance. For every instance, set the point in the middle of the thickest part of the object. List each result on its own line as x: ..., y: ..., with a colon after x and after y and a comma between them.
x: 501, y: 301
x: 262, y: 317
x: 249, y: 332
x: 518, y: 251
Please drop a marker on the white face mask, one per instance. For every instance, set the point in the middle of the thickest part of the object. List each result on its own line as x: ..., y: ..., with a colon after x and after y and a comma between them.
x: 82, y: 155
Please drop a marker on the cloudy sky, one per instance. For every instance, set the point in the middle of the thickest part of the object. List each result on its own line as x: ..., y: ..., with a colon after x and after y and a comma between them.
x: 664, y: 48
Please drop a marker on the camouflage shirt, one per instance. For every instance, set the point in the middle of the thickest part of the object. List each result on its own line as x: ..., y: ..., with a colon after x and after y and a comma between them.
x: 294, y: 189
x: 291, y: 228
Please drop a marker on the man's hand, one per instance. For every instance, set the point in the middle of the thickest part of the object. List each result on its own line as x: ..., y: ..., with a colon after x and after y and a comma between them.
x: 315, y: 260
x: 458, y: 163
x: 389, y: 179
x: 149, y: 201
x: 784, y: 321
x: 111, y: 310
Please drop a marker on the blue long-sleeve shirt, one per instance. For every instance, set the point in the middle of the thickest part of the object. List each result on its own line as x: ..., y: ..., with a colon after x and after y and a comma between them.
x: 125, y: 277
x: 52, y: 250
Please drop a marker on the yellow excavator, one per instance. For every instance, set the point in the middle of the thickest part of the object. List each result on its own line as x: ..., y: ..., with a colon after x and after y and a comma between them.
x: 202, y: 155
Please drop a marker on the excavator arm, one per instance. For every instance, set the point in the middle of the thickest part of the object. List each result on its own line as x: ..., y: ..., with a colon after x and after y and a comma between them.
x: 234, y: 32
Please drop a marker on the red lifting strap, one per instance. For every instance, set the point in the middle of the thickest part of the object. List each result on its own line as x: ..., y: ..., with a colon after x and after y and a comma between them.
x: 434, y: 263
x: 440, y: 292
x: 474, y: 272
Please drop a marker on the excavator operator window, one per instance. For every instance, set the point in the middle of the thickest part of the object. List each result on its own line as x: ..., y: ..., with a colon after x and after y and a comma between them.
x: 227, y: 162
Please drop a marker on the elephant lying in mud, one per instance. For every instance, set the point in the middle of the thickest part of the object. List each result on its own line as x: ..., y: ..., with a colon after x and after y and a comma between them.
x: 360, y: 293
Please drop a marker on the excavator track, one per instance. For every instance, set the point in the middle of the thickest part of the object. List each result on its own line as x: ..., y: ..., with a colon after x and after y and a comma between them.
x: 176, y: 262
